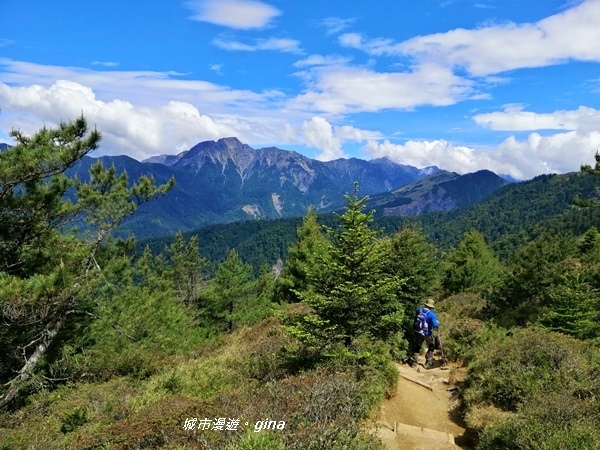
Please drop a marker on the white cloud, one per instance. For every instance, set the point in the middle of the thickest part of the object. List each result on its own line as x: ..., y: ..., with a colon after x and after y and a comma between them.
x: 133, y: 86
x: 320, y: 60
x: 179, y: 114
x: 375, y: 47
x: 276, y: 44
x: 512, y: 119
x: 427, y: 153
x: 6, y: 42
x: 341, y: 89
x: 217, y: 68
x: 522, y: 159
x: 570, y: 35
x: 239, y: 14
x: 319, y: 133
x: 334, y: 25
x: 559, y: 153
x: 137, y: 131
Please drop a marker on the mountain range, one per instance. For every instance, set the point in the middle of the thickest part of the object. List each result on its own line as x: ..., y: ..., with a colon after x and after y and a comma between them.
x: 508, y: 218
x: 226, y: 181
x: 440, y: 191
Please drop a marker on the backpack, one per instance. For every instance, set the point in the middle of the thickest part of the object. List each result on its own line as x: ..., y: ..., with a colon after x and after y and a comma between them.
x: 421, y: 326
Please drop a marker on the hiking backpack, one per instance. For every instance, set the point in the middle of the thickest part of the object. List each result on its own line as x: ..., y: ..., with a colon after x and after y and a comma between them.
x: 421, y: 326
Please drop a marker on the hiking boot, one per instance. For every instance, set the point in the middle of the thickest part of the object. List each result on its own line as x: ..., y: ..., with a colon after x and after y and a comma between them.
x: 428, y: 364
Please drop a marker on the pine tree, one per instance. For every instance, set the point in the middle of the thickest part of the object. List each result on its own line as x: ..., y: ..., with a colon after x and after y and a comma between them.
x: 572, y: 308
x: 186, y: 267
x: 229, y: 296
x: 349, y: 292
x: 589, y: 246
x: 264, y: 290
x: 44, y: 273
x: 302, y: 256
x: 594, y: 171
x: 472, y: 267
x: 32, y: 189
x: 535, y: 269
x: 411, y: 257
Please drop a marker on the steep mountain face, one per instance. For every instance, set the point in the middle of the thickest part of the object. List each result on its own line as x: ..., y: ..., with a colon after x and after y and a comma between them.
x: 442, y: 191
x: 282, y: 169
x: 226, y: 181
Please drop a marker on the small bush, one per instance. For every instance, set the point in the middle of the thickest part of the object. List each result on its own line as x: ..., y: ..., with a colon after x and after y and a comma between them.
x: 534, y: 389
x: 323, y: 409
x: 528, y: 432
x: 74, y: 420
x: 463, y: 337
x: 264, y: 344
x: 259, y: 441
x: 465, y: 304
x: 507, y: 371
x: 68, y: 417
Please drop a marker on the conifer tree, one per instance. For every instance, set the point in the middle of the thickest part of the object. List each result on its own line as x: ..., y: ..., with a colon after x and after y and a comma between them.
x: 186, y: 267
x: 595, y: 171
x: 572, y: 308
x: 44, y: 273
x: 411, y: 257
x: 472, y: 267
x: 535, y: 269
x: 349, y: 292
x: 229, y: 295
x: 589, y: 246
x: 264, y: 289
x: 302, y: 256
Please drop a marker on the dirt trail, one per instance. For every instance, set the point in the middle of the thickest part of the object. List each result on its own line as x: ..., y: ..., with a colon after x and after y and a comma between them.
x: 422, y: 412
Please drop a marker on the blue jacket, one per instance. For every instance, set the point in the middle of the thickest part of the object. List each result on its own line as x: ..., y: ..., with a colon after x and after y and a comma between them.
x: 431, y: 319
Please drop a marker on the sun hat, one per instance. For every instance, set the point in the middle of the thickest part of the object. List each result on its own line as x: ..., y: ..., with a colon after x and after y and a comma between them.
x: 430, y: 303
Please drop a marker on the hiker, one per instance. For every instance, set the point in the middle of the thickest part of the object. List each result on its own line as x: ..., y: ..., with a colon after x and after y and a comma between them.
x: 425, y: 322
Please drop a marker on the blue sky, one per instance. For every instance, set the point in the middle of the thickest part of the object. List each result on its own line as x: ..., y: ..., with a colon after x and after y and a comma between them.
x: 511, y: 86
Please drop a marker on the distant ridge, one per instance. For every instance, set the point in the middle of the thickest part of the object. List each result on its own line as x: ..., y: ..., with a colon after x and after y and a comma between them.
x: 226, y: 180
x: 441, y: 191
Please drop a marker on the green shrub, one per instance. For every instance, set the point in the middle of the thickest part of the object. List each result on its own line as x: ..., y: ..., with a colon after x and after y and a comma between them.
x: 535, y: 389
x: 264, y: 346
x: 74, y: 420
x: 465, y: 304
x: 463, y: 337
x: 69, y: 416
x: 263, y: 440
x: 512, y: 369
x: 528, y: 431
x: 324, y: 409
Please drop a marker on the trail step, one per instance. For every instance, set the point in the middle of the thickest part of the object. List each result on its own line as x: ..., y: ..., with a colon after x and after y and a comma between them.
x: 419, y: 432
x: 388, y: 432
x: 420, y: 383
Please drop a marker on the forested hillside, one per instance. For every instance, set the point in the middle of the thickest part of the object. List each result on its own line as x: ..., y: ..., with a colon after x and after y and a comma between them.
x: 508, y: 218
x: 188, y: 345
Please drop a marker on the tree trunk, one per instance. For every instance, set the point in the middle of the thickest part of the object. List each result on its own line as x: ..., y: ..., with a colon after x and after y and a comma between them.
x: 26, y: 372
